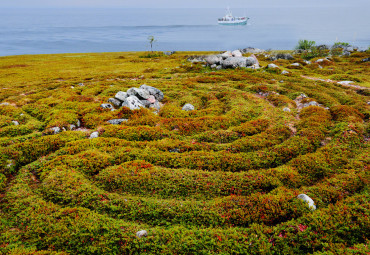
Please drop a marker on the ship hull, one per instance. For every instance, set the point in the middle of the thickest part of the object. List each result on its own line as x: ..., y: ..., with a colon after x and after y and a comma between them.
x: 233, y: 23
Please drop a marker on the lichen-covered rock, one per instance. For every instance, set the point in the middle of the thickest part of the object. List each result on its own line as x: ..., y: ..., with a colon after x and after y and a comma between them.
x: 153, y: 91
x: 117, y: 121
x: 56, y: 130
x: 188, y: 107
x: 140, y: 93
x: 213, y: 60
x: 115, y: 102
x: 142, y: 233
x: 308, y: 200
x: 94, y: 135
x: 237, y: 53
x: 234, y: 62
x: 272, y: 66
x: 133, y: 103
x: 121, y: 95
x: 106, y: 106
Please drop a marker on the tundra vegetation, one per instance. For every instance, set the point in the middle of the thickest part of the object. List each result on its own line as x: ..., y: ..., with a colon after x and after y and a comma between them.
x: 221, y: 179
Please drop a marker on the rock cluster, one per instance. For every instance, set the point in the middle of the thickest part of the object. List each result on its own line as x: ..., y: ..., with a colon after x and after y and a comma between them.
x: 135, y: 98
x: 301, y: 104
x: 286, y: 56
x: 232, y: 59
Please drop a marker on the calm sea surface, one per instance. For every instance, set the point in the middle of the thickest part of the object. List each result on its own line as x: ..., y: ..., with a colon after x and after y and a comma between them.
x: 39, y: 31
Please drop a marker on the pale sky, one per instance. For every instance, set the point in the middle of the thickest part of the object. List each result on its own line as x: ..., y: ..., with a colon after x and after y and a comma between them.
x: 178, y: 3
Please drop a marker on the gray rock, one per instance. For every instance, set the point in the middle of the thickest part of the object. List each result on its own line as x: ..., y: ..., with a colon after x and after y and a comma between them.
x: 94, y: 135
x: 132, y: 102
x: 117, y: 121
x: 308, y: 200
x: 320, y: 60
x: 237, y: 53
x: 286, y: 109
x: 72, y: 127
x: 196, y: 59
x: 323, y: 47
x: 153, y: 91
x: 307, y: 62
x: 139, y: 93
x: 366, y: 60
x: 295, y: 64
x: 156, y: 105
x: 252, y: 50
x: 55, y: 130
x: 213, y: 60
x: 188, y: 107
x: 121, y: 95
x: 286, y: 56
x: 219, y: 67
x: 106, y: 106
x: 250, y: 61
x: 346, y: 53
x: 81, y: 84
x: 142, y: 233
x: 345, y: 82
x: 115, y: 102
x: 272, y: 66
x: 213, y: 66
x: 312, y: 103
x: 78, y: 123
x: 226, y: 55
x: 234, y: 62
x: 16, y: 123
x: 284, y: 72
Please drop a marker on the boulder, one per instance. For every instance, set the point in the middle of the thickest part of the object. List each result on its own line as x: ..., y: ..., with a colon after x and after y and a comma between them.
x: 237, y: 53
x: 133, y: 103
x: 255, y: 58
x: 213, y: 60
x: 234, y: 62
x: 188, y: 107
x: 121, y: 95
x: 308, y: 200
x: 94, y: 135
x: 323, y: 47
x: 115, y: 102
x: 140, y: 93
x: 252, y: 50
x: 106, y: 106
x: 272, y: 66
x: 226, y: 55
x: 286, y: 56
x: 153, y: 91
x: 156, y: 105
x: 55, y: 130
x: 142, y: 233
x: 117, y: 121
x: 250, y: 61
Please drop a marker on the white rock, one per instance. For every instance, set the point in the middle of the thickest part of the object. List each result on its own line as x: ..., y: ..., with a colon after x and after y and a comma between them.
x: 121, y: 95
x: 153, y: 91
x: 56, y: 130
x: 78, y: 123
x: 72, y: 127
x: 141, y: 233
x: 237, y: 53
x: 16, y: 123
x: 295, y: 64
x: 308, y: 200
x: 286, y: 109
x: 188, y: 107
x: 345, y: 82
x: 213, y: 60
x: 94, y: 135
x: 284, y: 72
x: 226, y: 54
x: 139, y: 93
x: 272, y: 66
x: 133, y: 103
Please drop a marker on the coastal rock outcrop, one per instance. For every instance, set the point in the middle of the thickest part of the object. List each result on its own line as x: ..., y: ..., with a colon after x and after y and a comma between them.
x: 230, y: 59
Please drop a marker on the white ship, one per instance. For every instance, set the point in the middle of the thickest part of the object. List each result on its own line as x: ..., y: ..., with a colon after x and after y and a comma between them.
x: 229, y: 19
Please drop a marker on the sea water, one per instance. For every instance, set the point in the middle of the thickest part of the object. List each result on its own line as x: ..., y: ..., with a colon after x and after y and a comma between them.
x: 43, y: 30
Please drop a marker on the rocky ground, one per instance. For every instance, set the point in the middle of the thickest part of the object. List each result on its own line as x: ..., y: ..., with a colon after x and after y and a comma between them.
x: 240, y: 152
